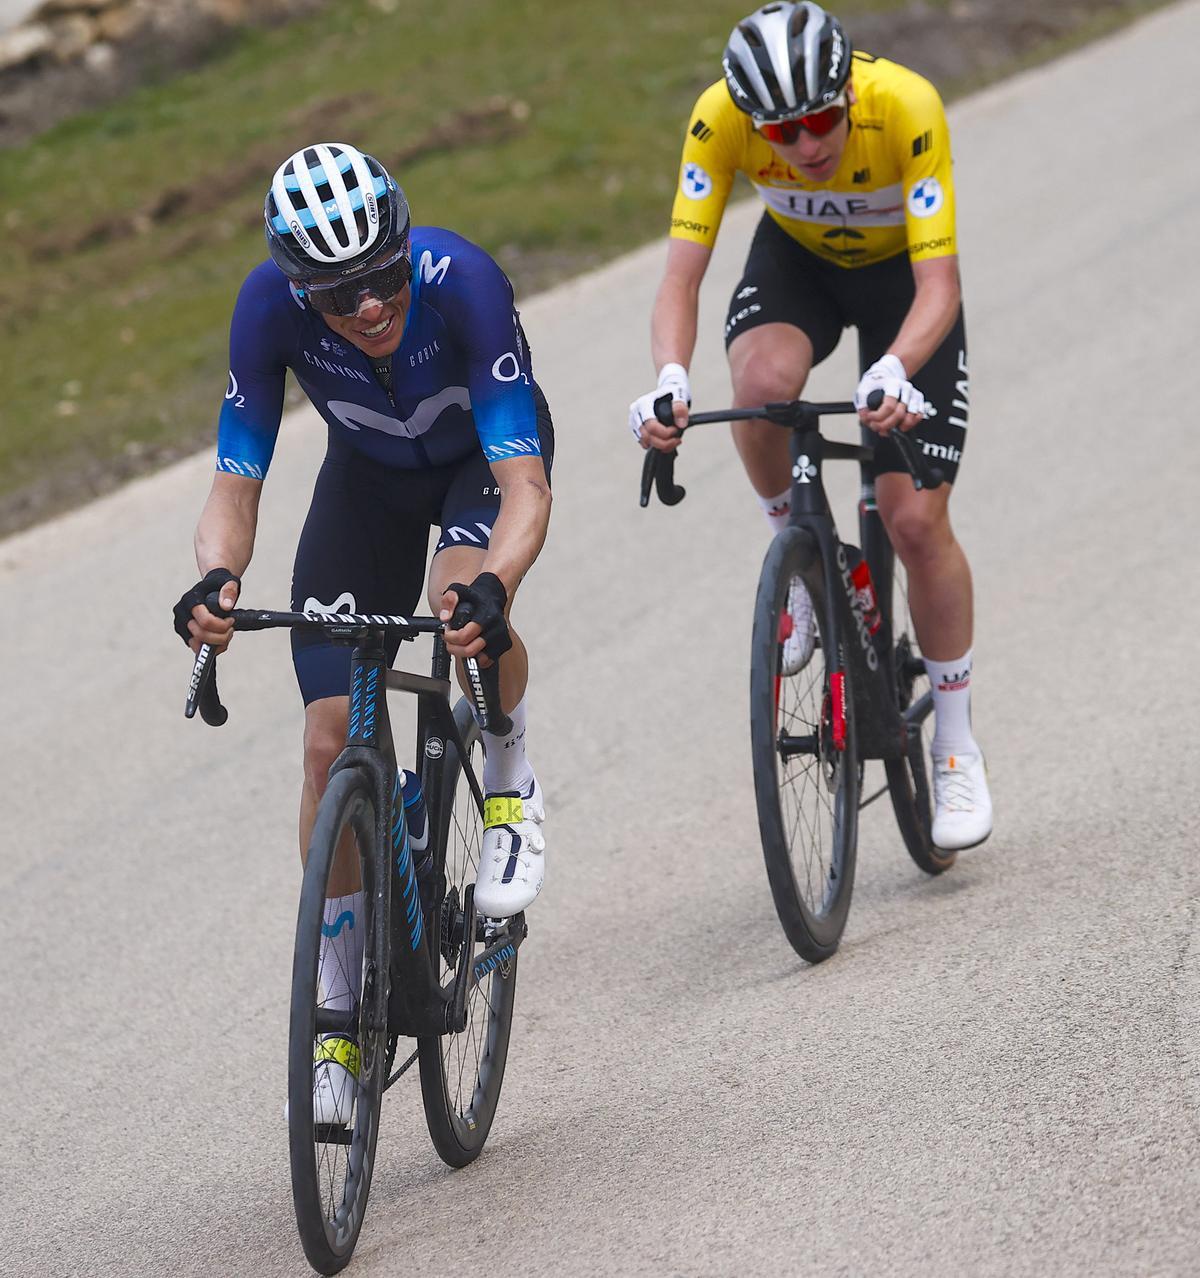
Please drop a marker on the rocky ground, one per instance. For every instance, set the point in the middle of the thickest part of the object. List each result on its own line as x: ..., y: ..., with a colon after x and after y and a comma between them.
x: 73, y: 54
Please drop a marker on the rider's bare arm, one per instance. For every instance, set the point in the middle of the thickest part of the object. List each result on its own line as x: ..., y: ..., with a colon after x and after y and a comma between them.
x: 932, y: 314
x: 225, y: 539
x: 520, y: 529
x: 673, y: 323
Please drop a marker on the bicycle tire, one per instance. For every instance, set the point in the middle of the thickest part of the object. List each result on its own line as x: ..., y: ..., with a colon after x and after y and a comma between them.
x: 811, y: 797
x: 908, y: 778
x: 461, y: 1074
x: 332, y: 1166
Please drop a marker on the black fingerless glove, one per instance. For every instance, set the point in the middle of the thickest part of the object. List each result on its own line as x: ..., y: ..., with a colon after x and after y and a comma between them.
x: 483, y: 603
x: 212, y: 580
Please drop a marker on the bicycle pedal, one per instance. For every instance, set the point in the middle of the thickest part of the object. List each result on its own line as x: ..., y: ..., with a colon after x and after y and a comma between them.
x: 332, y: 1134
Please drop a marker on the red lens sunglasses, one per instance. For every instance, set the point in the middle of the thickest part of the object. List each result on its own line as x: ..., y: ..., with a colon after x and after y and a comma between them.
x: 818, y: 123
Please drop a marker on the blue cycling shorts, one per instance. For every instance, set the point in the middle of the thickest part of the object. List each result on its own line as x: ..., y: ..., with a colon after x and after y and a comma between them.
x: 366, y: 540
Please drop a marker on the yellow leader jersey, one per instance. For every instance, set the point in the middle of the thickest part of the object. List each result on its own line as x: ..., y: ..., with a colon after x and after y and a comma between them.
x: 892, y: 189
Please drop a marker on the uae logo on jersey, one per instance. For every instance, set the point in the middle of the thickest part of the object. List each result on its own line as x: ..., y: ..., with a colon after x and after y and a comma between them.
x: 695, y: 183
x: 926, y: 198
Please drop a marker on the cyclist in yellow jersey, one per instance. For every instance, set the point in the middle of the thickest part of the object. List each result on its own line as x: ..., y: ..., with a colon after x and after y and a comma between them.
x: 851, y: 156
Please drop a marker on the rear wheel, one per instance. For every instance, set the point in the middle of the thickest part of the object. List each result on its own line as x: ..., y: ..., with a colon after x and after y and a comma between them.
x: 461, y: 1074
x: 910, y: 778
x: 332, y: 1161
x: 806, y: 772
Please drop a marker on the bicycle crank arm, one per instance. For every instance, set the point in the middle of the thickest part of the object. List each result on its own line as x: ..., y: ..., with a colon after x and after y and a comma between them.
x: 503, y: 947
x: 456, y: 1009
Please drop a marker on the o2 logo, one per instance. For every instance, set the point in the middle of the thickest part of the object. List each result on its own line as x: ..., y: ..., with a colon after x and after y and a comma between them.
x: 508, y: 369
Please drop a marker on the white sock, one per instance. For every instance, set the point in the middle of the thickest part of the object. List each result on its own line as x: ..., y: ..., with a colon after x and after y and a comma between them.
x: 951, y: 685
x: 778, y: 510
x: 342, y: 943
x: 505, y: 766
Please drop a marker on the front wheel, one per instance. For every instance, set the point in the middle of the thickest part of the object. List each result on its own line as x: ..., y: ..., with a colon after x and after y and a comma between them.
x: 337, y: 1042
x: 806, y: 772
x: 910, y: 778
x: 461, y: 1074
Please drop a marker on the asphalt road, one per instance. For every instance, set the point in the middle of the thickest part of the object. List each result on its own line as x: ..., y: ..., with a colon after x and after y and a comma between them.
x: 998, y: 1074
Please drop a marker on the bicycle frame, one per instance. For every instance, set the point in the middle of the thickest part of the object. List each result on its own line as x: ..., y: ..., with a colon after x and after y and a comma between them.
x: 882, y: 731
x: 413, y: 1003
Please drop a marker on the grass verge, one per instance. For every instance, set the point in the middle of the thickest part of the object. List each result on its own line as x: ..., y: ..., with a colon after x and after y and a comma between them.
x: 548, y: 132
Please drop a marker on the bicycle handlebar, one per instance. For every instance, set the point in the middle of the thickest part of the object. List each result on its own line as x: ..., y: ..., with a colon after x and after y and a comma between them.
x: 202, y: 688
x: 658, y: 469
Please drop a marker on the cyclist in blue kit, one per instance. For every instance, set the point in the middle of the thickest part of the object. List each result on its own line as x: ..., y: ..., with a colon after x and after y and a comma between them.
x: 407, y: 342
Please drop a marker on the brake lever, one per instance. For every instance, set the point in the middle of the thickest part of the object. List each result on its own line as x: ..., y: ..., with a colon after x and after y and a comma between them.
x: 659, y: 467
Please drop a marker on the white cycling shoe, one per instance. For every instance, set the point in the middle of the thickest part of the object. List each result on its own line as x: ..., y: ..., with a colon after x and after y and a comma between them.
x: 962, y: 814
x: 798, y: 630
x: 335, y: 1080
x: 512, y: 861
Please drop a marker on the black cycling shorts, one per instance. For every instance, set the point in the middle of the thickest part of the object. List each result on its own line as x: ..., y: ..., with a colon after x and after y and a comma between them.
x: 783, y: 283
x: 366, y: 538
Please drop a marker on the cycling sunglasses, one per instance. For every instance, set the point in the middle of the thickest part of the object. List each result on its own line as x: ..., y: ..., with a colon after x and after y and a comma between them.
x: 818, y: 123
x: 341, y: 297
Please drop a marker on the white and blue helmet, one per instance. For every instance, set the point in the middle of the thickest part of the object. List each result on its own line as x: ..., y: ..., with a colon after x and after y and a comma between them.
x: 330, y: 210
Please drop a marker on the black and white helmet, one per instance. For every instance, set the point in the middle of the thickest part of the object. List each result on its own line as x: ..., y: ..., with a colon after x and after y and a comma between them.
x: 332, y: 208
x: 786, y: 60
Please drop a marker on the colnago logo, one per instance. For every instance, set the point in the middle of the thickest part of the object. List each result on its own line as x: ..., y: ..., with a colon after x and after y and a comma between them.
x: 860, y: 623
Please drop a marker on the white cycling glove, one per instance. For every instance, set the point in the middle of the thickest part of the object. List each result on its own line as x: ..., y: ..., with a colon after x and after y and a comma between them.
x: 887, y: 374
x: 672, y: 378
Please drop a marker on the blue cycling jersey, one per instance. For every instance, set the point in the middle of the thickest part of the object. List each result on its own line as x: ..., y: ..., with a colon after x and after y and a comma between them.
x: 461, y: 376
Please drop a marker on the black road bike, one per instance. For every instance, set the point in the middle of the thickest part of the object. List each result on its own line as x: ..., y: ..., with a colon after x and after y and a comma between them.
x: 432, y: 970
x: 862, y: 694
